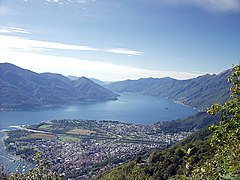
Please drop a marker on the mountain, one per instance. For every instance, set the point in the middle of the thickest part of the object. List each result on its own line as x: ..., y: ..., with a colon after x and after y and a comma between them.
x: 73, y: 77
x: 210, y: 153
x: 23, y: 88
x: 191, y: 123
x: 97, y: 81
x: 171, y: 162
x: 87, y: 89
x: 198, y: 92
x: 132, y: 85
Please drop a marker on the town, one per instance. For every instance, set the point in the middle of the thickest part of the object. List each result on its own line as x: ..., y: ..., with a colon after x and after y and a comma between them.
x: 84, y: 148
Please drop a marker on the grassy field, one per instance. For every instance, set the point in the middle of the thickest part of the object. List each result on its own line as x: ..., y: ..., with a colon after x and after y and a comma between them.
x: 45, y: 127
x: 42, y: 136
x: 68, y: 138
x: 77, y: 131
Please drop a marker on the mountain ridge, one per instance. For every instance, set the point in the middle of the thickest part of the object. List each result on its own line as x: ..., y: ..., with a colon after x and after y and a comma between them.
x: 199, y: 92
x: 24, y: 88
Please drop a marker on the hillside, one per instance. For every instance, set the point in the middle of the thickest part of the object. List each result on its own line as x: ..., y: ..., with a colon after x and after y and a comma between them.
x: 171, y: 161
x: 175, y: 162
x: 112, y: 142
x: 203, y: 155
x: 191, y: 123
x: 97, y: 81
x: 198, y: 92
x: 21, y: 88
x: 89, y: 90
x: 167, y: 163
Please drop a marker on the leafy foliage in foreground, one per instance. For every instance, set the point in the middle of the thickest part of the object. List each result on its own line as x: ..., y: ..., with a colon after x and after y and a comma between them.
x: 200, y: 156
x: 41, y: 172
x: 162, y: 165
x: 226, y: 137
x: 36, y: 173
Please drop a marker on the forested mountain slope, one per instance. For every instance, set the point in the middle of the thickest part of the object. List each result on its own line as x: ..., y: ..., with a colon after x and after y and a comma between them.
x: 21, y: 88
x: 198, y: 92
x: 210, y: 153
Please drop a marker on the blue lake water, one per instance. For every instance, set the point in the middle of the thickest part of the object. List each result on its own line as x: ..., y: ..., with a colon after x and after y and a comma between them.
x: 132, y: 108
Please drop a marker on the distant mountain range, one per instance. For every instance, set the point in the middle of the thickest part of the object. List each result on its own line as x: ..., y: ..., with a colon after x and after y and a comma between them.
x: 200, y: 92
x: 23, y: 88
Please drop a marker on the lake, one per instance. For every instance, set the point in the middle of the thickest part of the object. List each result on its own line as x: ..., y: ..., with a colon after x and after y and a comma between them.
x: 132, y: 108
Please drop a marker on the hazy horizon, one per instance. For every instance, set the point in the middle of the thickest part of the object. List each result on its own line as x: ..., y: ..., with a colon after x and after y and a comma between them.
x: 106, y: 81
x: 120, y: 40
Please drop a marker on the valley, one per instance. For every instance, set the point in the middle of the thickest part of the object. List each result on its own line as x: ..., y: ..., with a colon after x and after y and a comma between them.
x: 22, y: 89
x: 83, y: 148
x: 119, y: 90
x: 200, y: 92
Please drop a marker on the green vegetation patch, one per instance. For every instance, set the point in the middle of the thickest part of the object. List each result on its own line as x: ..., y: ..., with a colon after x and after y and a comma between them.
x: 179, y: 159
x: 78, y: 131
x: 45, y: 127
x: 68, y: 138
x: 205, y: 154
x: 42, y: 136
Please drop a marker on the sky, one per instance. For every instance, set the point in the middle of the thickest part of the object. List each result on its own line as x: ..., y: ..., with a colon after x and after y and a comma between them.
x: 114, y: 40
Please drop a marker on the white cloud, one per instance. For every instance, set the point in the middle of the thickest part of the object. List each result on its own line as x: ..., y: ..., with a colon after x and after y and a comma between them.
x: 211, y: 5
x: 72, y: 66
x: 13, y: 30
x: 24, y: 44
x: 128, y: 52
x: 25, y: 53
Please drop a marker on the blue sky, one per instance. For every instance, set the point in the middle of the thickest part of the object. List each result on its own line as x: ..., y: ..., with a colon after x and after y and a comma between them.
x: 121, y: 39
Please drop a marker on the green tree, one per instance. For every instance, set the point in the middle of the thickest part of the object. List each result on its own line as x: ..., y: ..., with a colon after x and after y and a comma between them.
x: 226, y: 137
x: 41, y: 172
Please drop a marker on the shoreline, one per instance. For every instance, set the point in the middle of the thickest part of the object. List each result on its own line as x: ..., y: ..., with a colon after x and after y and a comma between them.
x: 30, y: 130
x: 4, y: 137
x: 183, y: 104
x: 3, y: 151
